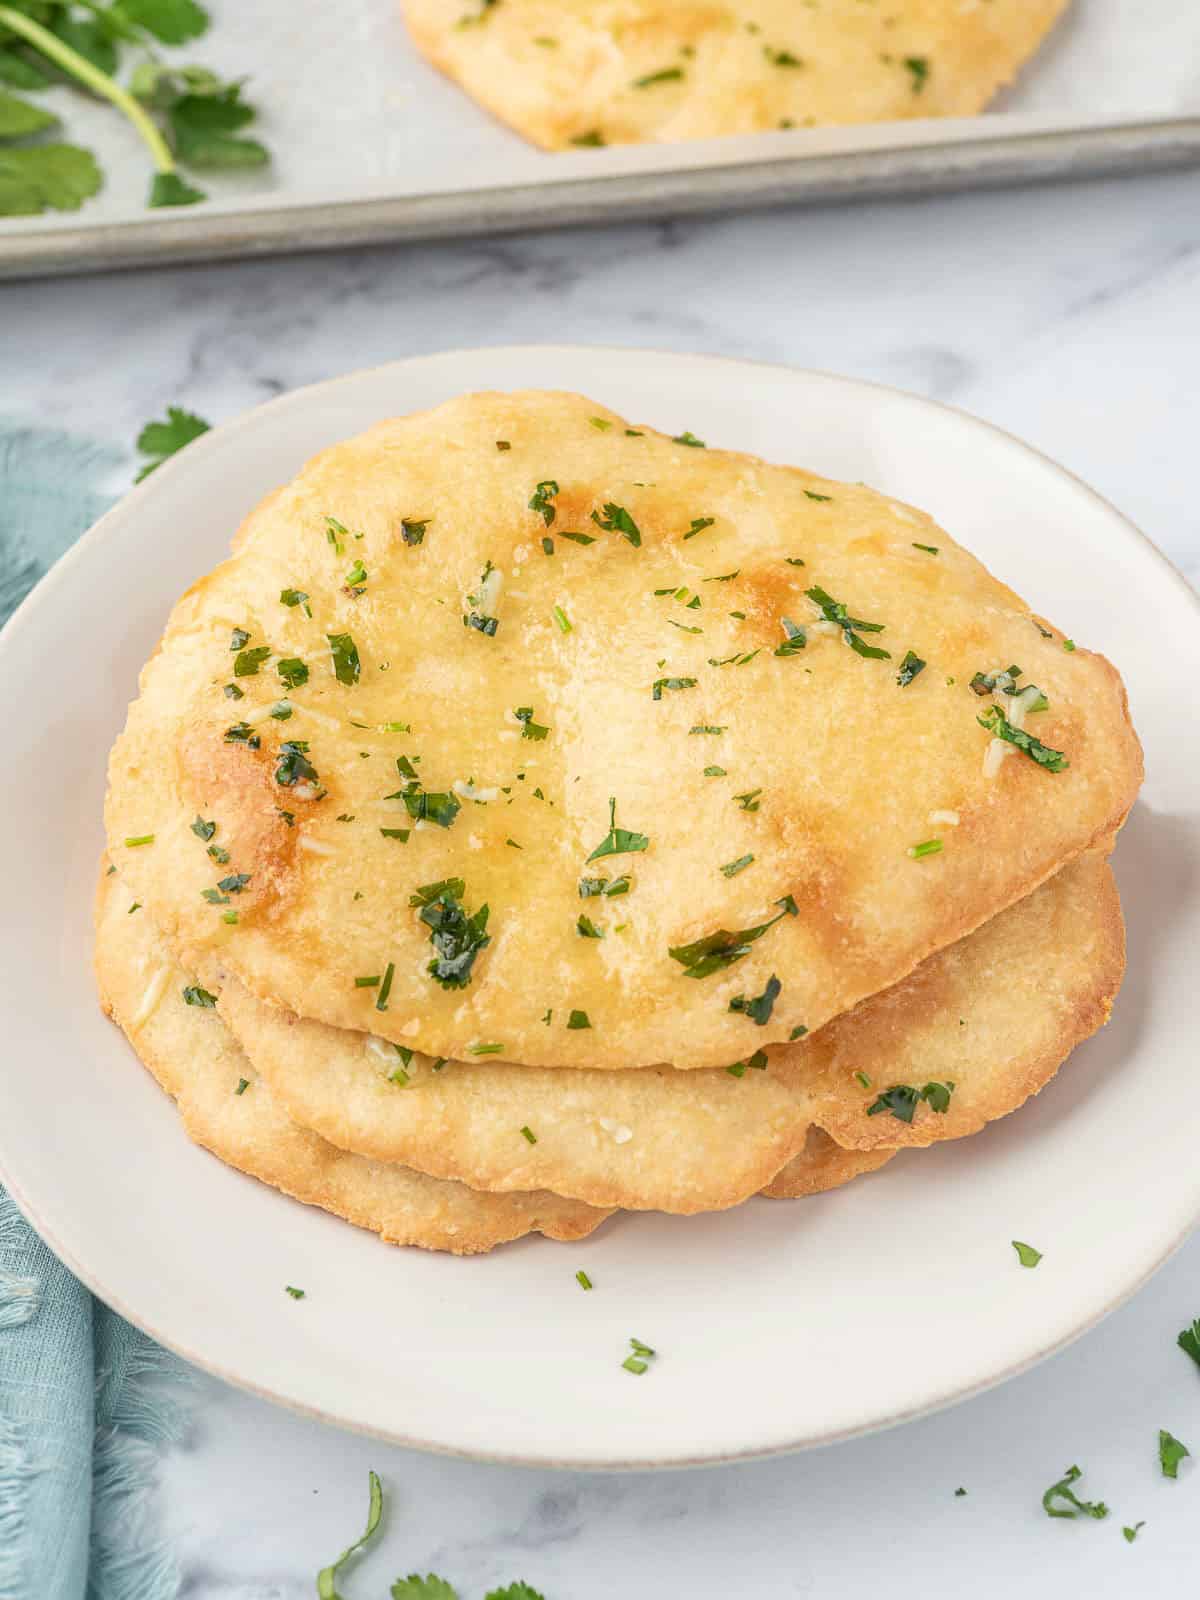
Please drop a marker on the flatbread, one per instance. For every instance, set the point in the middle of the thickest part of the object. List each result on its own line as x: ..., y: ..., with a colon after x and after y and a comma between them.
x: 823, y: 1165
x: 192, y: 1054
x: 798, y: 818
x: 994, y: 1015
x: 578, y: 72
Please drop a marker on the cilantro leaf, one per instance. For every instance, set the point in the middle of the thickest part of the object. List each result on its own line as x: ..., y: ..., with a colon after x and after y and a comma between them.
x: 20, y: 117
x: 512, y: 1591
x: 618, y: 841
x: 1189, y: 1341
x: 194, y: 995
x: 46, y: 177
x: 1060, y: 1499
x: 169, y: 189
x: 430, y: 1587
x: 327, y: 1577
x: 902, y: 1100
x: 834, y: 611
x: 759, y: 1009
x: 203, y: 128
x: 542, y: 498
x: 1170, y: 1453
x: 909, y: 668
x: 998, y: 725
x: 170, y: 21
x: 530, y: 729
x: 1026, y: 1254
x: 343, y: 654
x: 162, y: 439
x: 721, y: 949
x: 456, y: 936
x: 617, y: 520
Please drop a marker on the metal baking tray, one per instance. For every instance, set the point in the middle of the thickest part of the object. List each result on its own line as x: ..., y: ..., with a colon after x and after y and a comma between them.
x: 371, y: 145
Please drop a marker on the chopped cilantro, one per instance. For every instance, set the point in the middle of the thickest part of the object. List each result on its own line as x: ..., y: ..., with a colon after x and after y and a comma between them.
x: 609, y: 887
x: 457, y: 937
x: 721, y: 949
x: 137, y: 839
x: 834, y: 611
x: 1069, y: 646
x: 748, y: 801
x: 690, y: 440
x: 293, y: 673
x: 732, y: 868
x: 402, y: 834
x: 296, y: 1294
x: 238, y: 639
x: 902, y: 1100
x: 758, y: 1061
x: 918, y: 67
x: 582, y: 1279
x: 909, y: 668
x: 660, y: 684
x: 295, y: 597
x: 242, y: 1085
x: 1170, y: 1453
x: 293, y: 765
x: 640, y: 1359
x: 242, y: 733
x: 1060, y: 1499
x: 795, y: 640
x: 412, y: 531
x: 594, y: 140
x: 576, y: 538
x: 1026, y: 1254
x: 601, y: 424
x: 782, y: 58
x: 617, y: 520
x: 811, y: 494
x: 356, y: 579
x: 715, y: 772
x: 542, y: 500
x: 202, y: 829
x: 247, y: 662
x: 929, y: 549
x: 862, y: 1078
x: 760, y: 1007
x: 698, y: 526
x: 194, y: 995
x: 665, y: 75
x: 618, y: 841
x: 344, y: 655
x: 232, y: 692
x: 586, y: 928
x: 800, y: 1030
x: 528, y: 1135
x: 335, y: 533
x: 385, y: 988
x: 561, y: 618
x: 1130, y: 1534
x: 578, y: 1019
x: 707, y: 727
x: 530, y: 729
x: 234, y: 883
x: 1000, y: 727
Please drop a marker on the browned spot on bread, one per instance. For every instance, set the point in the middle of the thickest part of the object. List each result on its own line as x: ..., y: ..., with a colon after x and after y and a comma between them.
x: 236, y: 787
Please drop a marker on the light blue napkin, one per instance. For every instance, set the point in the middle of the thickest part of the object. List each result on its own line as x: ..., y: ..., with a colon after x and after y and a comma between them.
x: 86, y: 1401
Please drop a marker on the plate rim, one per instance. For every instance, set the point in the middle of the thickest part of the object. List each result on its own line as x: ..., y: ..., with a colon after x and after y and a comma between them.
x: 215, y: 440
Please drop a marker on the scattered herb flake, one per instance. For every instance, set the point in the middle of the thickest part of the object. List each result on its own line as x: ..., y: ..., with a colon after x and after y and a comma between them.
x: 1170, y: 1453
x: 618, y: 841
x: 716, y: 951
x: 617, y: 520
x: 1000, y: 727
x: 542, y: 500
x: 577, y: 1019
x: 343, y: 653
x: 759, y: 1008
x: 158, y: 440
x: 909, y: 668
x: 732, y: 868
x: 194, y: 995
x: 1026, y: 1254
x: 1060, y: 1499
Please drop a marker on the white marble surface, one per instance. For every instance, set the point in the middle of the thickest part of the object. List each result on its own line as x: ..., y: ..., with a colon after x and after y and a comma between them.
x: 1069, y: 315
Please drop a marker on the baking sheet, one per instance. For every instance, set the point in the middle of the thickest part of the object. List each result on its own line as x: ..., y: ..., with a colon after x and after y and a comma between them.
x: 370, y: 143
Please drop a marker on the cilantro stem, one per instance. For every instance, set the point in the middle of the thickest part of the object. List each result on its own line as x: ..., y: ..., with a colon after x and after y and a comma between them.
x: 99, y: 82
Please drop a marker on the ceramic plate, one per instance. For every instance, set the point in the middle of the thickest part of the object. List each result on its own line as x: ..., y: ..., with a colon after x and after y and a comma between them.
x: 779, y: 1325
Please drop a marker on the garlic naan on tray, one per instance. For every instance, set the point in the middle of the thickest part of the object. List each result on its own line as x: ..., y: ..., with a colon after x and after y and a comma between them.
x: 226, y: 1108
x: 517, y: 732
x: 965, y: 1039
x: 592, y: 72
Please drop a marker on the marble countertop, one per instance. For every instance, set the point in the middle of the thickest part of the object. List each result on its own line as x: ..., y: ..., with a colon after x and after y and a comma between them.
x: 1071, y: 316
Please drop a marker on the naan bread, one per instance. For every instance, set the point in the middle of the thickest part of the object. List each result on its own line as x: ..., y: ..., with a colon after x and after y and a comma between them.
x: 582, y: 72
x: 466, y: 662
x: 994, y: 1016
x: 196, y: 1060
x: 823, y: 1165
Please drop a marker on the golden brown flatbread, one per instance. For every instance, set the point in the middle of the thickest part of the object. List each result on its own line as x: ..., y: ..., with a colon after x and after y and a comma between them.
x: 993, y: 1016
x: 587, y: 72
x: 194, y: 1057
x: 823, y: 1165
x: 681, y: 721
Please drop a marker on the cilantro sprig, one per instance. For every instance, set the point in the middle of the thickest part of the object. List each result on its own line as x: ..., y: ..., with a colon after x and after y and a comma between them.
x: 184, y: 114
x: 159, y: 440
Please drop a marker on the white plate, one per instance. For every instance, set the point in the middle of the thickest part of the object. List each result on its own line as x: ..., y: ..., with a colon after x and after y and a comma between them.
x: 779, y: 1325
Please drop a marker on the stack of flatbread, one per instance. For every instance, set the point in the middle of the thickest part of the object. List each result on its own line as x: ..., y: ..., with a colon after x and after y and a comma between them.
x: 599, y: 72
x: 540, y: 815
